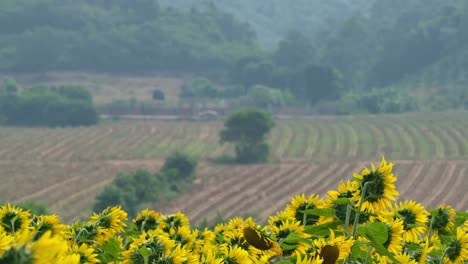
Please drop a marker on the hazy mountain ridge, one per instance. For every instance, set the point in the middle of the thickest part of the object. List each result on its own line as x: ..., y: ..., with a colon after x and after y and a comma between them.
x: 274, y: 18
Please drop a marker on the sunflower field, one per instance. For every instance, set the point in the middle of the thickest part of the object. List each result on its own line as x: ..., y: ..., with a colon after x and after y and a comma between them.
x: 359, y: 222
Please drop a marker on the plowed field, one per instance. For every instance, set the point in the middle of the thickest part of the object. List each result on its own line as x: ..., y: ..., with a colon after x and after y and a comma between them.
x: 67, y: 167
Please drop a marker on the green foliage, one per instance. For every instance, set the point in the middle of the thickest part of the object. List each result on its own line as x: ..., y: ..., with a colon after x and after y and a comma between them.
x: 158, y: 95
x: 294, y: 51
x: 34, y: 208
x: 9, y: 87
x: 49, y: 106
x: 386, y: 101
x: 182, y: 165
x: 199, y: 88
x: 132, y: 190
x: 141, y: 188
x: 118, y: 36
x: 272, y: 20
x: 263, y: 97
x: 248, y: 129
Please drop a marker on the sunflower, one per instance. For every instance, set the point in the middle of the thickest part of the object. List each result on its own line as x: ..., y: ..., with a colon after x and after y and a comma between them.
x: 380, y: 188
x: 174, y: 221
x: 147, y: 220
x: 308, y: 260
x: 278, y: 219
x: 5, y: 242
x: 257, y: 238
x: 13, y: 219
x: 235, y: 237
x: 414, y: 218
x: 46, y: 223
x: 334, y: 247
x: 157, y: 245
x: 394, y: 241
x: 183, y: 236
x: 23, y: 249
x: 203, y: 238
x: 300, y: 203
x: 282, y: 232
x: 234, y: 255
x: 457, y: 251
x: 402, y: 257
x: 421, y: 253
x: 345, y: 190
x: 109, y: 222
x: 86, y: 253
x: 48, y: 248
x: 69, y: 259
x: 210, y: 257
x: 443, y: 219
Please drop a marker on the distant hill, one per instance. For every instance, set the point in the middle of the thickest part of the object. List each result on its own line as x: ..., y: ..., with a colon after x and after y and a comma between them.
x: 117, y: 36
x: 272, y: 19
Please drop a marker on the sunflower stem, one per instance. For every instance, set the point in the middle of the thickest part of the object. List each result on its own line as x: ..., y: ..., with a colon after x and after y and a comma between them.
x: 443, y: 256
x: 361, y: 201
x: 368, y: 254
x: 348, y: 216
x: 13, y: 226
x: 430, y: 230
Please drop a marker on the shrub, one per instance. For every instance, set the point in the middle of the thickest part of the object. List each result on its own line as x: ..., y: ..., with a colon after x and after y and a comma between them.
x: 49, y: 106
x: 183, y: 165
x: 247, y: 129
x: 158, y: 95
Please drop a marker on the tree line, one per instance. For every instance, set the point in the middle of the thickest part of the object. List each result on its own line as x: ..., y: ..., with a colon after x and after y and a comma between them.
x: 46, y: 106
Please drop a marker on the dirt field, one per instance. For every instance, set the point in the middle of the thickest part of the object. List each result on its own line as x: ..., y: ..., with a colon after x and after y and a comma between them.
x: 106, y: 88
x: 66, y: 167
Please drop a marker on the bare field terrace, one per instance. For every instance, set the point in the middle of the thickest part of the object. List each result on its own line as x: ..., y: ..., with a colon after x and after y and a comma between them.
x: 66, y: 167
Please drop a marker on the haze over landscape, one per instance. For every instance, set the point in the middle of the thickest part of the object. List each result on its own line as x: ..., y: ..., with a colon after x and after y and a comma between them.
x: 109, y: 102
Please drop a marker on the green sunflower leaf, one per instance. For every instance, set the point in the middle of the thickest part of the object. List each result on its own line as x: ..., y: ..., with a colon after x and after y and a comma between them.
x: 144, y: 251
x: 320, y: 212
x: 323, y: 229
x: 357, y: 252
x: 110, y: 251
x: 375, y: 231
x: 294, y: 238
x: 382, y: 250
x: 287, y: 246
x: 342, y: 201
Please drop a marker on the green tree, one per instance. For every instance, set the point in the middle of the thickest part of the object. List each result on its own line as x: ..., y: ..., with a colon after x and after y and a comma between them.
x: 182, y: 165
x: 34, y: 208
x: 158, y: 95
x: 248, y: 129
x: 295, y: 51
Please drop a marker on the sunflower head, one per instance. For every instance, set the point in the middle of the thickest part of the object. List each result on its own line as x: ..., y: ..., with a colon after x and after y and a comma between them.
x: 234, y: 255
x: 299, y: 204
x: 414, y: 218
x: 46, y: 223
x: 86, y: 253
x: 457, y: 250
x: 156, y: 247
x: 147, y: 220
x: 257, y: 238
x: 13, y: 219
x: 394, y: 241
x: 375, y: 187
x: 344, y: 191
x: 175, y: 221
x: 441, y: 219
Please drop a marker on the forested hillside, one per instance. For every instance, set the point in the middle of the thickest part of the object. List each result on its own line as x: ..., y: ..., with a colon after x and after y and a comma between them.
x: 272, y: 19
x: 117, y: 36
x: 333, y: 57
